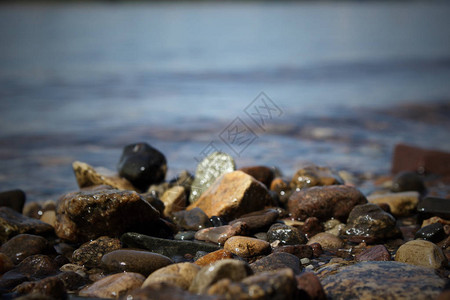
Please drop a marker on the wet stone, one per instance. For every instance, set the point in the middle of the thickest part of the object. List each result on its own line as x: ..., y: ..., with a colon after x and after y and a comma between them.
x: 263, y: 174
x: 213, y: 257
x: 174, y: 199
x: 434, y: 206
x: 311, y: 227
x: 49, y: 217
x: 325, y: 202
x: 433, y: 233
x: 217, y: 221
x: 258, y: 220
x: 185, y: 235
x: 179, y: 275
x: 166, y: 291
x: 33, y: 210
x: 327, y: 241
x: 220, y: 234
x: 421, y: 253
x: 6, y: 263
x: 408, y: 181
x: 309, y: 287
x: 314, y: 176
x: 233, y: 195
x: 90, y: 253
x: 23, y: 245
x: 50, y: 286
x: 83, y: 216
x: 14, y: 199
x: 246, y: 246
x: 71, y: 280
x: 275, y: 261
x: 142, y: 262
x: 400, y: 204
x: 301, y: 251
x: 287, y: 235
x: 13, y: 223
x: 232, y: 269
x: 193, y: 219
x: 208, y: 170
x: 316, y: 248
x: 113, y: 286
x: 375, y: 253
x: 166, y: 247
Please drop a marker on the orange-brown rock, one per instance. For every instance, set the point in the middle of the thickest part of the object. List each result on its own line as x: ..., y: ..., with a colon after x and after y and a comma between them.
x: 213, y: 257
x: 246, y: 246
x: 261, y: 173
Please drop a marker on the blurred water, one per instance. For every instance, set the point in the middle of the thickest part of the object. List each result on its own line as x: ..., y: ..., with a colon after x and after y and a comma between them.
x: 80, y: 81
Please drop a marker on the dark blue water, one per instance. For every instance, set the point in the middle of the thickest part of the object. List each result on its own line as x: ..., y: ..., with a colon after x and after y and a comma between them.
x: 80, y: 81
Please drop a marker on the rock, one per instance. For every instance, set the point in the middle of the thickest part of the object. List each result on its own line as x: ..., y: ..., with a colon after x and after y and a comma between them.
x: 142, y: 262
x: 258, y: 220
x: 434, y: 206
x: 23, y: 245
x: 14, y: 199
x: 282, y: 189
x: 434, y: 220
x: 313, y: 176
x: 218, y: 221
x: 414, y: 159
x: 369, y: 223
x: 71, y: 280
x: 87, y: 176
x: 311, y: 227
x: 263, y: 174
x: 193, y: 219
x: 335, y: 227
x: 317, y: 249
x: 325, y: 202
x: 154, y: 201
x: 309, y: 287
x: 433, y: 233
x: 162, y: 290
x: 301, y: 251
x: 232, y: 269
x: 327, y: 241
x: 82, y: 216
x: 12, y: 223
x: 275, y: 261
x: 174, y: 199
x: 213, y: 257
x: 184, y: 179
x: 73, y: 268
x: 49, y: 217
x: 375, y: 253
x: 113, y: 286
x: 185, y: 235
x: 50, y: 286
x: 142, y: 165
x: 32, y: 210
x: 220, y: 234
x: 287, y: 235
x: 381, y: 280
x: 275, y: 285
x: 166, y: 247
x: 90, y: 253
x: 421, y: 253
x: 400, y: 204
x: 6, y: 263
x: 232, y: 195
x: 246, y: 246
x: 208, y: 170
x: 179, y: 275
x: 408, y: 181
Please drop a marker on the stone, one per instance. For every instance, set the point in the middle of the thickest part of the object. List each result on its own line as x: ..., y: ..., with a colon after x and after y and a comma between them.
x: 287, y: 235
x: 213, y: 257
x: 13, y: 223
x: 218, y: 221
x: 154, y: 201
x: 369, y: 223
x: 6, y: 263
x: 400, y: 204
x: 185, y: 235
x: 434, y: 206
x: 72, y: 281
x: 220, y: 234
x: 184, y: 179
x: 73, y: 268
x: 142, y: 262
x: 23, y: 245
x: 142, y: 165
x: 33, y: 210
x: 232, y: 269
x: 14, y: 199
x: 90, y: 253
x: 325, y: 202
x: 88, y: 176
x: 193, y: 219
x: 314, y: 176
x: 166, y: 291
x: 434, y: 220
x: 83, y: 216
x: 421, y: 253
x: 233, y: 195
x: 113, y: 286
x: 258, y: 220
x: 317, y: 249
x: 301, y: 251
x: 50, y: 286
x: 275, y: 261
x: 282, y: 189
x: 375, y: 253
x: 311, y: 227
x: 174, y: 199
x: 327, y: 241
x: 246, y: 246
x: 166, y: 247
x: 381, y: 280
x: 309, y: 287
x: 179, y: 275
x: 49, y: 217
x: 263, y: 174
x: 408, y: 181
x: 433, y: 233
x: 208, y: 170
x: 274, y: 285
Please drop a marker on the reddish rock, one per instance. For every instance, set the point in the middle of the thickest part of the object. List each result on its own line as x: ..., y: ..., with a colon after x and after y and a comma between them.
x: 375, y: 253
x: 260, y: 173
x: 410, y: 158
x: 213, y: 257
x: 301, y: 251
x: 259, y: 220
x: 309, y: 287
x: 317, y: 249
x: 220, y: 234
x: 311, y: 227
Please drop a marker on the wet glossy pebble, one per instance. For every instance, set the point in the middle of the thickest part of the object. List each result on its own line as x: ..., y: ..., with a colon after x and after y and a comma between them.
x: 287, y: 235
x: 213, y: 257
x: 246, y: 246
x: 180, y: 275
x: 433, y: 233
x: 113, y: 286
x: 23, y: 245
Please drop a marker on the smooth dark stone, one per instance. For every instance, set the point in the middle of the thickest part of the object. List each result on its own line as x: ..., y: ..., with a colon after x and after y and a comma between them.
x: 14, y: 199
x: 23, y: 245
x: 433, y: 206
x: 72, y: 281
x: 90, y: 253
x: 193, y: 219
x: 142, y: 165
x: 434, y: 233
x: 287, y: 235
x: 217, y: 221
x: 185, y: 235
x: 166, y: 247
x: 408, y: 181
x: 312, y: 227
x: 277, y: 260
x: 50, y: 286
x: 301, y: 251
x: 154, y: 201
x: 163, y: 291
x: 258, y: 220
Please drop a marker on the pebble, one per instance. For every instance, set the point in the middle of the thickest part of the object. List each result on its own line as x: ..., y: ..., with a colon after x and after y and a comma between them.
x: 311, y: 227
x: 421, y: 253
x: 434, y: 233
x: 233, y: 195
x: 185, y: 235
x: 287, y: 235
x: 174, y: 199
x: 435, y: 220
x: 51, y: 287
x: 400, y: 204
x: 193, y: 219
x: 219, y: 235
x: 14, y: 199
x: 33, y: 210
x: 325, y: 202
x: 83, y: 216
x: 113, y: 286
x: 213, y: 257
x: 246, y: 246
x: 408, y: 181
x: 281, y: 188
x: 375, y: 253
x: 232, y: 269
x: 6, y: 263
x: 179, y: 275
x: 313, y: 176
x: 90, y: 253
x: 316, y: 248
x: 309, y: 287
x: 369, y: 223
x: 217, y: 221
x: 327, y: 241
x: 434, y: 206
x: 142, y: 165
x: 258, y: 220
x: 49, y: 217
x: 166, y: 291
x: 301, y: 251
x: 275, y: 261
x: 263, y: 174
x: 23, y: 245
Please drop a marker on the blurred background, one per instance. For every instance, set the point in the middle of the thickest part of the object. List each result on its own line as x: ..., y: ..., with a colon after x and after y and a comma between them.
x: 80, y: 80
